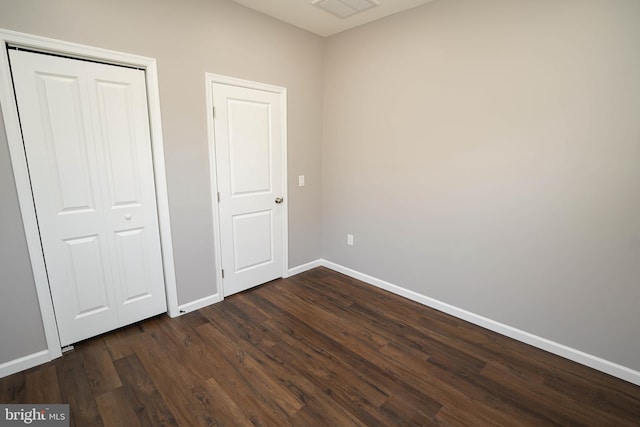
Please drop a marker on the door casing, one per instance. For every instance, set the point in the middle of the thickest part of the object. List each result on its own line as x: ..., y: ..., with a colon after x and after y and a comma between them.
x: 21, y: 175
x: 282, y: 92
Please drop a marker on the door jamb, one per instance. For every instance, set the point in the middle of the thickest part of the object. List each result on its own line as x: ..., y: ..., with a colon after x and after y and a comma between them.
x: 211, y: 78
x: 21, y: 174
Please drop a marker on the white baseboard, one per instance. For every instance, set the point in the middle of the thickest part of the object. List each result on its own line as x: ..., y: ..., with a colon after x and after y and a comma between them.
x: 578, y: 356
x: 212, y: 299
x: 304, y: 267
x: 199, y: 303
x: 25, y: 362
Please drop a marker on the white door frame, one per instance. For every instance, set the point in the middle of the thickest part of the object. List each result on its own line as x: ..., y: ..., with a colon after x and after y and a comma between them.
x: 232, y: 81
x: 21, y: 174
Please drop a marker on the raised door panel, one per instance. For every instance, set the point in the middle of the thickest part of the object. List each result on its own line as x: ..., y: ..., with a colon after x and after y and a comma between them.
x: 133, y: 265
x: 120, y: 152
x: 87, y: 275
x: 64, y: 143
x: 252, y: 240
x: 86, y: 303
x: 250, y: 148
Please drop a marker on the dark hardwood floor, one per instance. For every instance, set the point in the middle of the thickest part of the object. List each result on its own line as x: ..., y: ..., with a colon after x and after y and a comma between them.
x: 320, y: 349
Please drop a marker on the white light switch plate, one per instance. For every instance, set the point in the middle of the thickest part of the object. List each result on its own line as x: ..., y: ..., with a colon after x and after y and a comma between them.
x: 301, y: 181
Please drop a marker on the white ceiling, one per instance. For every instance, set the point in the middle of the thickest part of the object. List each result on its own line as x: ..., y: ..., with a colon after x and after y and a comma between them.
x: 303, y: 14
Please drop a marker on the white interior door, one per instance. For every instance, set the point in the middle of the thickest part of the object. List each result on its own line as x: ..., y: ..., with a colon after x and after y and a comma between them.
x: 86, y: 136
x: 249, y: 148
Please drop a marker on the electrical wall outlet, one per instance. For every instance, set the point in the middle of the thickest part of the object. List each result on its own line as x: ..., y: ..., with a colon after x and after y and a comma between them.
x: 350, y: 239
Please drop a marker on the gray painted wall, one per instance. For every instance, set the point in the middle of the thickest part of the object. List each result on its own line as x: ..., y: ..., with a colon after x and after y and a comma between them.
x: 188, y: 38
x: 19, y: 302
x: 487, y: 154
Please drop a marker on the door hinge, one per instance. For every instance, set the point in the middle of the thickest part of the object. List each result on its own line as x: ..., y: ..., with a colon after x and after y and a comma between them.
x: 213, y: 112
x: 223, y: 273
x: 218, y: 197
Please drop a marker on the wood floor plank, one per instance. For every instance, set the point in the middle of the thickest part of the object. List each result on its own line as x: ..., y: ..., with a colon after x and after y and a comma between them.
x: 42, y: 385
x: 175, y: 367
x: 282, y: 365
x: 119, y: 407
x: 257, y: 383
x: 562, y: 407
x: 342, y: 341
x: 330, y: 372
x: 220, y: 408
x: 136, y: 378
x: 75, y: 389
x: 609, y: 394
x: 317, y: 412
x: 118, y: 342
x: 451, y: 388
x: 99, y: 367
x: 14, y: 387
x: 318, y: 349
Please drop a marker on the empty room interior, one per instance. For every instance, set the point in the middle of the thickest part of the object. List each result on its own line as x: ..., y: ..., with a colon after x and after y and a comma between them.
x: 419, y: 213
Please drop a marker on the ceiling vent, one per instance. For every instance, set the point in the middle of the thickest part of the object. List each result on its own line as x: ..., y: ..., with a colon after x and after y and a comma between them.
x: 344, y: 8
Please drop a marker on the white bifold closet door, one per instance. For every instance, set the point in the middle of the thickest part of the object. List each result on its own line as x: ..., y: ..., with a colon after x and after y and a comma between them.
x: 86, y: 135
